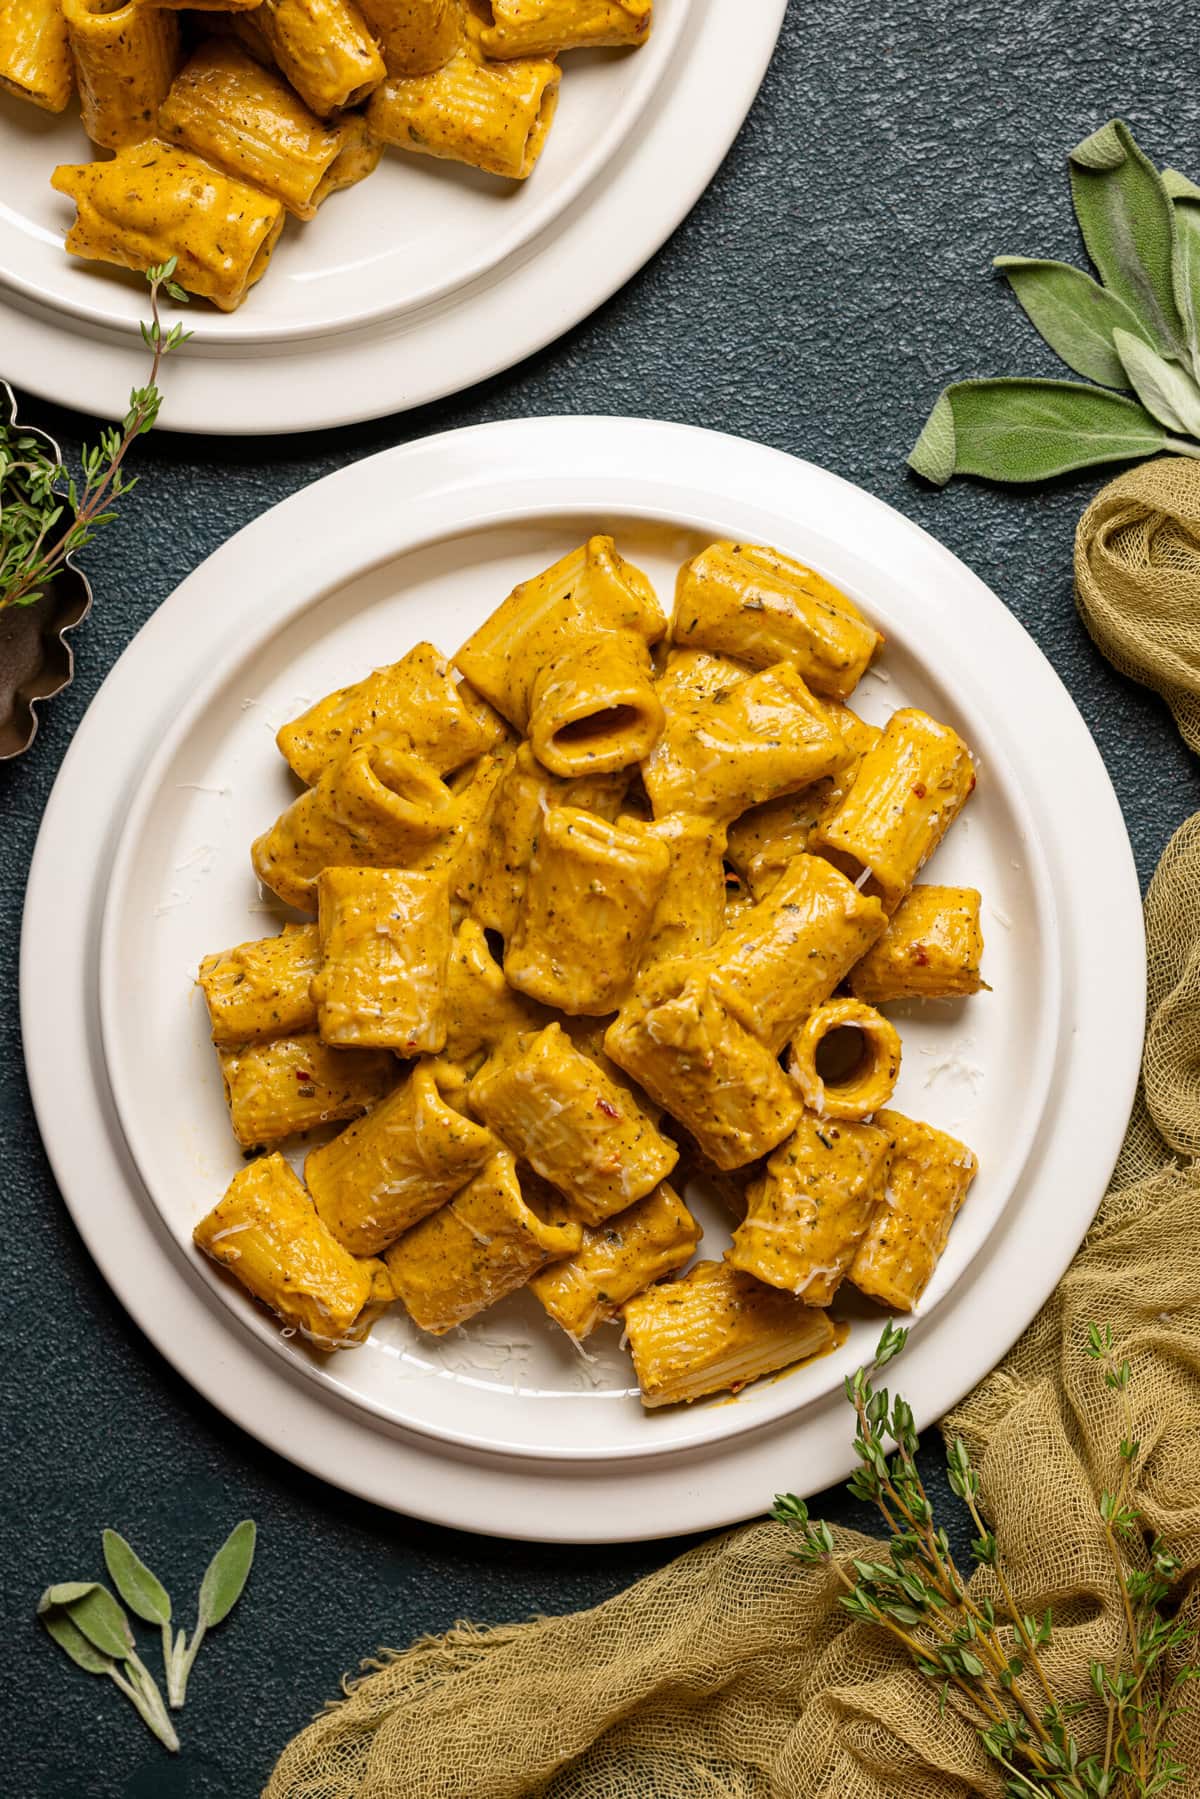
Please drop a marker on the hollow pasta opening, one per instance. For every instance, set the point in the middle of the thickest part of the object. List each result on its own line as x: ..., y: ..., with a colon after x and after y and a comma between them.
x: 843, y: 1056
x: 612, y: 721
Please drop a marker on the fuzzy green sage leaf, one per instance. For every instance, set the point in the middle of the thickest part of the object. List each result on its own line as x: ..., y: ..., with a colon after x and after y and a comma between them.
x: 1075, y: 315
x: 141, y: 1590
x: 1124, y: 213
x: 70, y: 1638
x: 1164, y: 388
x: 226, y: 1574
x: 93, y: 1611
x: 1026, y: 430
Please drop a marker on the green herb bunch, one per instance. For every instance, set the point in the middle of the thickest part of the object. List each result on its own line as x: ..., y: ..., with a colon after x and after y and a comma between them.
x: 1134, y: 335
x: 984, y: 1655
x: 87, y: 1622
x: 37, y: 492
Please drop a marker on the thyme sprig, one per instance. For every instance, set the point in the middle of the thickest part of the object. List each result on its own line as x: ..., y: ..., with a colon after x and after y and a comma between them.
x: 986, y: 1654
x: 37, y: 491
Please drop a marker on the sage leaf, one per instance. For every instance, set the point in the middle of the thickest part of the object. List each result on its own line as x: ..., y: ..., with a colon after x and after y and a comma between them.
x: 1164, y: 388
x: 94, y: 1611
x: 226, y: 1574
x: 68, y: 1636
x: 1179, y: 186
x: 1029, y: 430
x: 1074, y: 314
x: 1124, y: 212
x: 1187, y: 267
x: 142, y: 1591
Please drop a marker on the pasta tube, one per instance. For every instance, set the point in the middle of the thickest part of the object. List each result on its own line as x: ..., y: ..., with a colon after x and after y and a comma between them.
x: 691, y: 908
x: 907, y: 793
x: 226, y: 107
x: 717, y: 1328
x: 761, y: 737
x: 678, y: 1041
x: 125, y: 57
x: 415, y: 36
x: 588, y: 904
x: 480, y: 1246
x: 548, y: 27
x: 378, y: 807
x: 762, y: 607
x: 261, y: 989
x: 930, y: 1175
x: 395, y: 1166
x: 414, y: 704
x: 561, y: 1113
x: 291, y: 1084
x: 567, y: 658
x: 787, y: 953
x: 35, y: 57
x: 931, y: 949
x: 764, y: 840
x: 808, y: 1213
x: 617, y: 1260
x: 495, y: 116
x: 499, y: 869
x: 385, y: 944
x: 266, y: 1232
x: 154, y: 201
x: 324, y: 48
x: 482, y: 1011
x: 860, y: 1050
x: 696, y: 675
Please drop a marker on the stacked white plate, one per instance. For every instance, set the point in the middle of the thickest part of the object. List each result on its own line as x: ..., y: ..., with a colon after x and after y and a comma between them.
x: 142, y: 867
x: 418, y: 282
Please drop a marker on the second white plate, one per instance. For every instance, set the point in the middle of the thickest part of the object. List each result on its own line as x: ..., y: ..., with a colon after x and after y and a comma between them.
x: 420, y: 281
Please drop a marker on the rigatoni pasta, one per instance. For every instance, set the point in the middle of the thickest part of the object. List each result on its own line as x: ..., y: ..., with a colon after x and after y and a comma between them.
x: 762, y: 607
x: 863, y: 1048
x: 262, y: 989
x: 931, y: 1173
x: 548, y: 27
x: 655, y: 1237
x: 125, y: 57
x: 414, y: 36
x: 35, y: 56
x: 285, y: 1085
x: 490, y: 1239
x: 494, y: 116
x: 931, y: 949
x: 715, y: 1328
x: 225, y: 106
x: 267, y: 1234
x: 385, y: 944
x: 154, y: 201
x: 809, y: 1211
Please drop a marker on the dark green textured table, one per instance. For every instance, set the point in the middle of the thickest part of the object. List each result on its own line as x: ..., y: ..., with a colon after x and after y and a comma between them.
x: 833, y: 278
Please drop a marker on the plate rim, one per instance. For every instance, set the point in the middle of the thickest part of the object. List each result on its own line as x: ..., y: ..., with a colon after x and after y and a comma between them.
x: 303, y: 597
x: 450, y: 1483
x: 630, y: 208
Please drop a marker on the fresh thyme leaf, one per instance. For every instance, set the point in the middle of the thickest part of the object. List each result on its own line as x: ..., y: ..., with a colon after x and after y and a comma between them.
x: 141, y: 1590
x: 33, y: 548
x: 1075, y: 315
x: 226, y: 1574
x: 1028, y: 430
x: 1124, y: 213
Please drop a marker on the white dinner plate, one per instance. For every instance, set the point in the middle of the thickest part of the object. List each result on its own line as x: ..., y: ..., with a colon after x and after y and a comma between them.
x: 170, y: 776
x: 414, y: 284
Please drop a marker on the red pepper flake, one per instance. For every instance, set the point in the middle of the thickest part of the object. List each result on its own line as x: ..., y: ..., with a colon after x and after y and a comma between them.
x: 919, y: 790
x: 971, y: 788
x: 607, y: 1107
x: 302, y: 1074
x: 920, y: 955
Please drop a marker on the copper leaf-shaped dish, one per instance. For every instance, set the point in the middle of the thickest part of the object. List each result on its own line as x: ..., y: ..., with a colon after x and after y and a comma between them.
x: 35, y: 658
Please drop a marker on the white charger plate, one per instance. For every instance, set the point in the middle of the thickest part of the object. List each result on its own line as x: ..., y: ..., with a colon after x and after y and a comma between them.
x: 500, y: 1429
x: 424, y: 278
